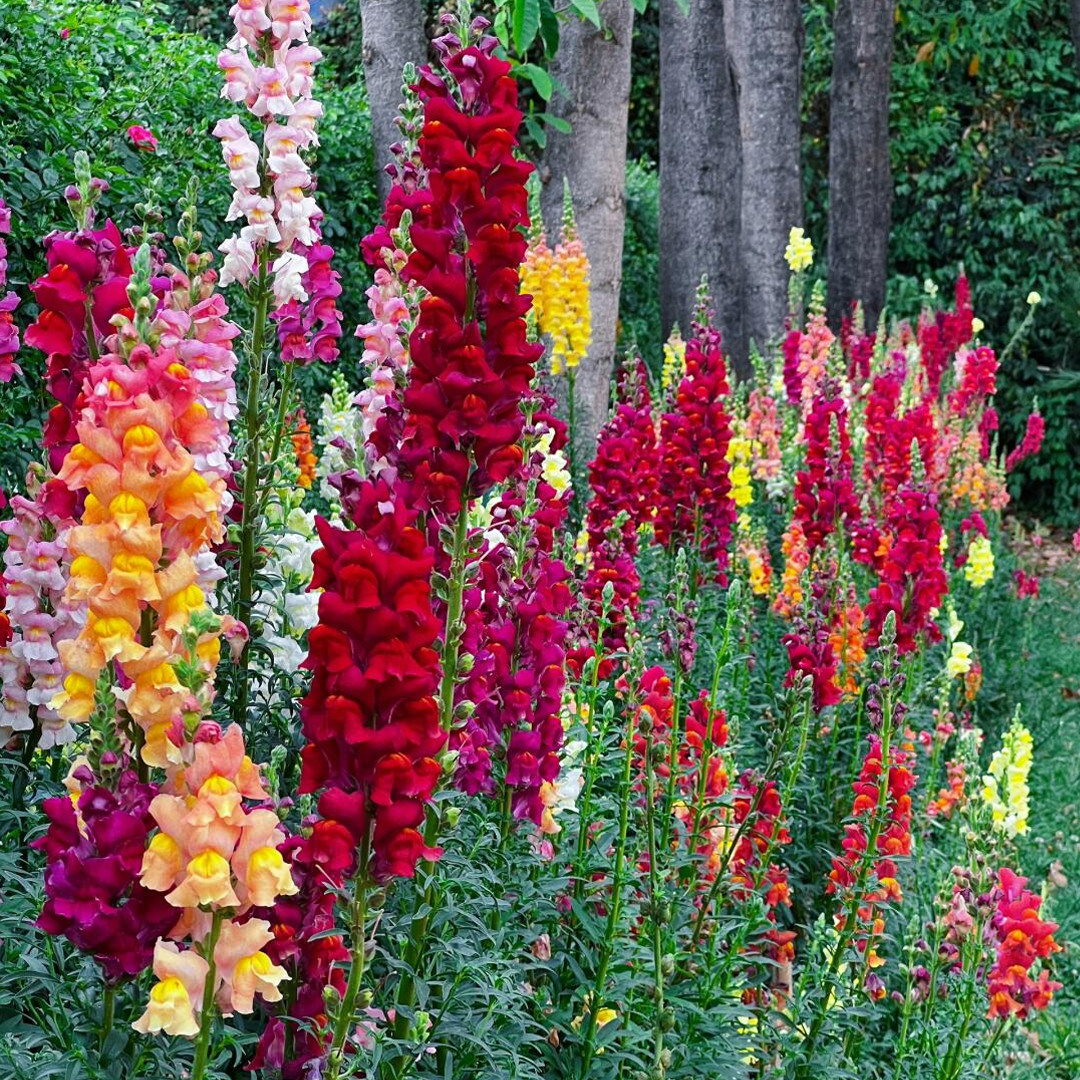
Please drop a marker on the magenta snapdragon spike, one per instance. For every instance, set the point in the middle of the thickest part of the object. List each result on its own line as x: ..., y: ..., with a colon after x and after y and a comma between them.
x: 94, y: 846
x: 9, y: 331
x: 1031, y: 443
x: 516, y: 633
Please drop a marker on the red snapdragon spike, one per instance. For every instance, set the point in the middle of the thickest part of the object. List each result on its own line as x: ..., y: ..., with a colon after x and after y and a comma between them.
x: 824, y: 491
x: 977, y: 380
x: 1031, y: 443
x: 911, y: 578
x: 693, y: 500
x: 941, y: 335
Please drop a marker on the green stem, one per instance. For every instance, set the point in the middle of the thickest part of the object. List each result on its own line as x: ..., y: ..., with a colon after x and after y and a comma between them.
x: 654, y: 901
x: 347, y: 1009
x: 427, y: 898
x: 206, y: 1016
x: 608, y: 948
x: 279, y: 429
x: 249, y: 521
x: 108, y: 1012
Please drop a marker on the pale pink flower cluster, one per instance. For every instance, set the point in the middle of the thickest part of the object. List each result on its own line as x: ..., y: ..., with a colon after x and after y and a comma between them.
x: 268, y: 67
x: 763, y: 430
x: 386, y: 340
x: 814, y: 348
x: 35, y: 576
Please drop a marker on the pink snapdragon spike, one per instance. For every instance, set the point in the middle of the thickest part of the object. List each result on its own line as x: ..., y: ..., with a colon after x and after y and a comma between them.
x: 142, y: 138
x: 9, y: 331
x: 269, y: 67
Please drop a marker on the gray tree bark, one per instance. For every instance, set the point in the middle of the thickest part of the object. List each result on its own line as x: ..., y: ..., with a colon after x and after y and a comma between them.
x: 1074, y: 30
x: 764, y: 41
x: 699, y: 169
x: 860, y: 178
x: 394, y: 35
x: 594, y: 67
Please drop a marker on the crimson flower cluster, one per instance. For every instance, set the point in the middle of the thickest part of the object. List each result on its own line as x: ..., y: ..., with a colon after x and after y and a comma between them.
x: 370, y: 716
x: 978, y: 379
x: 810, y: 652
x: 624, y: 482
x: 93, y: 897
x: 9, y: 301
x: 471, y: 360
x: 858, y: 348
x: 941, y: 334
x: 693, y: 499
x: 1022, y: 938
x: 793, y: 380
x: 911, y: 574
x: 88, y: 270
x: 1031, y: 443
x: 824, y: 492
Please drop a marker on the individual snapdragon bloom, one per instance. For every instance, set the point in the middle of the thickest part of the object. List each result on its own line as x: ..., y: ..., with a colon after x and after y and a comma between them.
x: 739, y: 454
x: 1005, y: 785
x: 799, y: 252
x: 979, y: 568
x: 959, y: 661
x: 977, y: 325
x: 1033, y: 299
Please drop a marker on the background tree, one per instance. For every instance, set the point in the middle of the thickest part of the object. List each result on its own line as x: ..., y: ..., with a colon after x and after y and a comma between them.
x: 860, y: 179
x: 764, y: 41
x: 699, y: 167
x: 393, y: 35
x: 593, y: 66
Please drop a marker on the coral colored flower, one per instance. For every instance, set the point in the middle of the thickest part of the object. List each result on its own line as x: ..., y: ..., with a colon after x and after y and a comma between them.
x: 1022, y: 939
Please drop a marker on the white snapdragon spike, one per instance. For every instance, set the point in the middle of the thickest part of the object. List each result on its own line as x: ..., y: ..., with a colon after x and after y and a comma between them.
x: 268, y: 67
x: 339, y: 436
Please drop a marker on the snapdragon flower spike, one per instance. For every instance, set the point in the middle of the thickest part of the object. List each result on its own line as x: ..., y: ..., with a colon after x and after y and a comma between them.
x: 269, y: 67
x: 1022, y: 938
x: 516, y: 631
x: 139, y: 555
x: 39, y: 615
x: 311, y: 330
x: 212, y: 854
x: 370, y: 716
x: 693, y: 498
x: 624, y: 481
x: 9, y: 331
x: 911, y: 578
x: 824, y: 492
x: 88, y: 270
x: 470, y: 358
x: 94, y: 849
x: 976, y: 380
x: 875, y: 871
x: 1031, y: 443
x: 941, y: 334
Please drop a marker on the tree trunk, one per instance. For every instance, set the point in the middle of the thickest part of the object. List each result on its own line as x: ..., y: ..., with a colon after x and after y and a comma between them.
x: 699, y: 168
x: 594, y: 67
x: 860, y: 180
x: 764, y: 42
x: 1074, y: 30
x: 394, y: 35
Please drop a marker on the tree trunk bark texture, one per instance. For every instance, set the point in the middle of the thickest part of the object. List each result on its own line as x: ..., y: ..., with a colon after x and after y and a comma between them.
x: 699, y: 169
x: 860, y: 178
x: 594, y: 67
x: 764, y: 41
x: 393, y: 35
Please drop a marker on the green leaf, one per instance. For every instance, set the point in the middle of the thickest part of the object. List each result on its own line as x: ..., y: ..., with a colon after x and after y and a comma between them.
x: 538, y: 77
x: 587, y: 10
x: 539, y: 135
x: 557, y: 122
x: 526, y: 23
x: 549, y: 29
x: 640, y: 6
